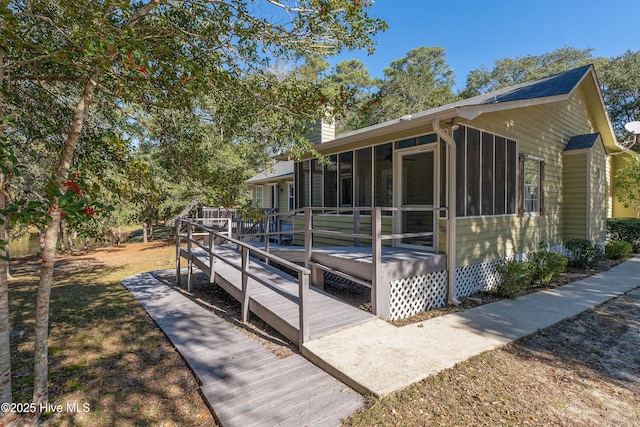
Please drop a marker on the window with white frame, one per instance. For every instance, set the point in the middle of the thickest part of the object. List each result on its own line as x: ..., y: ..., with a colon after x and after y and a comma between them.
x: 532, y: 173
x: 259, y: 196
x: 291, y: 196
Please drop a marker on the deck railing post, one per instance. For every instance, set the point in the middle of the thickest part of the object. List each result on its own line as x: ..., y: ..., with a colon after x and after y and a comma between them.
x: 190, y: 256
x: 266, y: 225
x: 356, y: 227
x: 436, y: 228
x: 279, y: 229
x: 379, y: 289
x: 303, y: 296
x: 308, y: 236
x: 178, y: 220
x: 212, y: 270
x: 245, y: 284
x: 229, y: 227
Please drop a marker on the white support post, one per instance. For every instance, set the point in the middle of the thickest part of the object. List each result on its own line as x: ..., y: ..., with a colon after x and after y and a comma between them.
x: 451, y: 212
x: 229, y: 227
x: 245, y: 284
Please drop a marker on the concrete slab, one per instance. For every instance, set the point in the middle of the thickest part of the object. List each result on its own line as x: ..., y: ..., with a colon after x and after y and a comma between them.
x: 379, y: 358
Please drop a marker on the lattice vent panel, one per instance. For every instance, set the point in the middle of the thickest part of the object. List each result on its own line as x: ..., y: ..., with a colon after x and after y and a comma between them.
x: 476, y: 277
x: 343, y: 283
x: 419, y: 293
x: 285, y: 268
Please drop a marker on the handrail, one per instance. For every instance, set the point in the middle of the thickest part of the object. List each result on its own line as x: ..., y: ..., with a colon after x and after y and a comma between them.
x: 244, y: 268
x: 380, y: 291
x: 338, y: 232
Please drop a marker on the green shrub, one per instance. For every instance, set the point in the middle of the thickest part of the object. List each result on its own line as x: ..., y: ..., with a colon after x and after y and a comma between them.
x: 627, y: 229
x: 616, y: 249
x: 515, y: 276
x: 546, y: 267
x: 584, y: 253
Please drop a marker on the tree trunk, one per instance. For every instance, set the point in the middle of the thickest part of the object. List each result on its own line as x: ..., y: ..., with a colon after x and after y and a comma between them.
x: 5, y: 326
x: 61, y: 242
x: 43, y: 234
x: 41, y: 360
x: 72, y: 236
x: 144, y: 233
x: 117, y: 236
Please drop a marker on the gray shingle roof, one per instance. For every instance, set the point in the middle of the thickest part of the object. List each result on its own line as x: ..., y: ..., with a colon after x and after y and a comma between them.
x: 582, y: 141
x: 558, y: 84
x: 279, y: 170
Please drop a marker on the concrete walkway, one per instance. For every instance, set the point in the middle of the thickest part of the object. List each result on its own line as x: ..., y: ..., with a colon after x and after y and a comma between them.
x: 379, y: 358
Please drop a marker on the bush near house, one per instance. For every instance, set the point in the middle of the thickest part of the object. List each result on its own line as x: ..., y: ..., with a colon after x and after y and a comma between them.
x: 517, y: 276
x: 584, y: 253
x: 627, y: 229
x: 546, y: 267
x: 617, y: 249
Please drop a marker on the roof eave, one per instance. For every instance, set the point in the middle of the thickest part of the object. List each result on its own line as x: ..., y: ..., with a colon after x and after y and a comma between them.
x: 389, y: 127
x: 268, y: 179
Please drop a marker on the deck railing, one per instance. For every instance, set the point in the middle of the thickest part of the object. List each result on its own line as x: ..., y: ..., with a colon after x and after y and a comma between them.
x: 273, y: 228
x: 249, y: 256
x: 358, y: 232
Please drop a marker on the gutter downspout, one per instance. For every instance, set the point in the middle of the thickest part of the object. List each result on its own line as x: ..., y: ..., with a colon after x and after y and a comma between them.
x: 451, y: 212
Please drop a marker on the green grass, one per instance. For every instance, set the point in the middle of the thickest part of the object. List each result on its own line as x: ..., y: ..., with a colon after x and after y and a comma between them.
x: 104, y: 349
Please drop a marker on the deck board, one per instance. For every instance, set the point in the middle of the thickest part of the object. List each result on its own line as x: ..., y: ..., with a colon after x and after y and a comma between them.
x: 244, y: 383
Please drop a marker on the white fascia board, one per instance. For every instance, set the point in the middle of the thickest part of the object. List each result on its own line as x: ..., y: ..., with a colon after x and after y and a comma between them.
x: 387, y: 128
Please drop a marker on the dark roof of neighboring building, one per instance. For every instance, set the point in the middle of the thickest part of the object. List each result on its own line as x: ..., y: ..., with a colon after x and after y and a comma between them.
x: 582, y: 141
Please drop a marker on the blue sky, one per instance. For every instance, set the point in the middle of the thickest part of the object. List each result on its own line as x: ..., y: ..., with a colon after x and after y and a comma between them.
x: 476, y: 33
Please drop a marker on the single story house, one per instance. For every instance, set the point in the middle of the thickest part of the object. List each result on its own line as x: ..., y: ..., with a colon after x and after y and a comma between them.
x: 495, y: 176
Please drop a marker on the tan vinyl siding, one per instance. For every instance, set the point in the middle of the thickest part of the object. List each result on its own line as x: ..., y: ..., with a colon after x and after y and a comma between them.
x: 541, y: 131
x: 575, y: 196
x: 342, y: 223
x: 598, y: 206
x: 283, y: 202
x: 321, y: 132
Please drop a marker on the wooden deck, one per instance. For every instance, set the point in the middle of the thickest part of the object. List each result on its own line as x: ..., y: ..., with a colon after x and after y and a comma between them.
x: 327, y: 314
x: 357, y: 260
x: 244, y: 384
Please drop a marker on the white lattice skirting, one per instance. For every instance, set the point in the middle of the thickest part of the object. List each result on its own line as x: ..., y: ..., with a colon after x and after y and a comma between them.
x: 419, y: 293
x: 476, y: 277
x: 412, y: 295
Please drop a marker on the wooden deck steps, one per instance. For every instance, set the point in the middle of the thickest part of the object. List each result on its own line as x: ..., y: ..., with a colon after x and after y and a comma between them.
x: 327, y: 314
x: 244, y: 383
